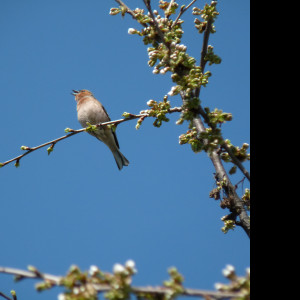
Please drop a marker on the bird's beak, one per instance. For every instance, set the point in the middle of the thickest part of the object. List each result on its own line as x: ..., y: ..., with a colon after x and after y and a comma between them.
x: 75, y: 92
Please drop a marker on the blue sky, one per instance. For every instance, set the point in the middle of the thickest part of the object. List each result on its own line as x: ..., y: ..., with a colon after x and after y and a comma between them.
x: 75, y: 206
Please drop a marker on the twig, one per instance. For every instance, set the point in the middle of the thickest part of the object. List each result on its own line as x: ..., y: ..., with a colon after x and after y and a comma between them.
x: 187, y: 292
x: 182, y: 10
x: 4, y: 296
x: 241, y: 181
x: 159, y: 32
x: 57, y: 280
x: 235, y: 160
x: 204, y: 51
x: 170, y: 5
x: 21, y: 274
x: 129, y: 11
x: 73, y: 132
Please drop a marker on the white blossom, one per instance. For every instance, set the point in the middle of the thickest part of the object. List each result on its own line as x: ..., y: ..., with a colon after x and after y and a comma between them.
x: 229, y: 270
x: 218, y: 286
x: 61, y: 297
x: 131, y: 31
x: 173, y: 90
x: 164, y: 70
x: 93, y: 270
x: 118, y: 268
x: 150, y: 102
x: 130, y: 263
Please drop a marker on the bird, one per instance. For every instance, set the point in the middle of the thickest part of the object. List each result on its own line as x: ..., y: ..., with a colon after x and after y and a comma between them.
x: 90, y: 110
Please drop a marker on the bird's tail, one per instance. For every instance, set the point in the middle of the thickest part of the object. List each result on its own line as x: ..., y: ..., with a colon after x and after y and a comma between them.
x: 121, y: 160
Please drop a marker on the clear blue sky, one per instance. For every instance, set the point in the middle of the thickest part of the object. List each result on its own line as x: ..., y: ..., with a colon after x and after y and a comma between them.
x: 75, y: 206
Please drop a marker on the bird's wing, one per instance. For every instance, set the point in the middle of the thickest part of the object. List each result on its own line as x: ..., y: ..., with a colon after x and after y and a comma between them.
x: 106, y: 113
x: 116, y: 140
x: 114, y: 134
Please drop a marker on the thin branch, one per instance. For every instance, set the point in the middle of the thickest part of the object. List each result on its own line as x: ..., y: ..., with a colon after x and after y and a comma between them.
x: 204, y: 51
x: 170, y: 5
x: 238, y: 208
x: 22, y: 274
x: 201, y: 110
x: 159, y: 290
x: 187, y: 292
x: 235, y: 160
x: 73, y: 132
x: 4, y: 296
x: 182, y: 10
x: 159, y: 32
x: 237, y: 204
x: 129, y: 11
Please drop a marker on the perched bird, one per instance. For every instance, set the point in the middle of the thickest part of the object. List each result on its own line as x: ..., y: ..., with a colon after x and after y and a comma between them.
x: 90, y: 110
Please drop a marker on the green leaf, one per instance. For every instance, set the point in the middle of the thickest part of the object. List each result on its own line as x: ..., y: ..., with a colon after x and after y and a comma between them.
x: 49, y: 150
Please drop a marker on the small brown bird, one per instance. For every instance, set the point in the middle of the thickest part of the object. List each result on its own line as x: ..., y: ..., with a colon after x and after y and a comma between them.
x: 90, y: 110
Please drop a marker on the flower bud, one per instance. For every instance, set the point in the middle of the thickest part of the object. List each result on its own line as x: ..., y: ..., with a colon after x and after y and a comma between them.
x: 93, y: 270
x: 228, y: 271
x: 130, y: 265
x: 132, y: 31
x: 126, y: 114
x: 118, y: 269
x: 114, y: 11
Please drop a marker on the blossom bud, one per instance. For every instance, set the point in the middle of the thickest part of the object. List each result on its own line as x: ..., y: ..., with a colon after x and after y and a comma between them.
x: 93, y: 270
x: 118, y: 268
x: 132, y: 31
x: 228, y: 271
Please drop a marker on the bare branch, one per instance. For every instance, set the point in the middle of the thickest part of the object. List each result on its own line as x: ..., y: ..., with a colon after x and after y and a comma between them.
x: 236, y: 161
x: 4, y: 296
x: 128, y: 10
x: 170, y: 5
x: 204, y: 51
x: 73, y: 132
x: 182, y: 10
x: 21, y: 274
x: 187, y: 292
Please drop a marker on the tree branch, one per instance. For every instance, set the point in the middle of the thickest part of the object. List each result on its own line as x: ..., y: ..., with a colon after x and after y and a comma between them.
x: 73, y: 132
x: 204, y: 51
x: 4, y: 296
x: 155, y: 291
x: 128, y: 10
x: 237, y: 206
x: 159, y: 32
x: 235, y: 160
x: 182, y: 10
x: 202, y: 112
x: 22, y: 274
